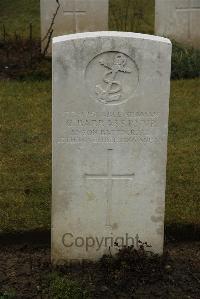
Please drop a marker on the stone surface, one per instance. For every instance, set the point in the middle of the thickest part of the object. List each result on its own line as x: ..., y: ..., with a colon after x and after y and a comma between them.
x: 71, y: 16
x: 179, y: 19
x: 110, y: 124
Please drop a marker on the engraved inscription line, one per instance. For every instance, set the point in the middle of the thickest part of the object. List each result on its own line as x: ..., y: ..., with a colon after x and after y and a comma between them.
x: 111, y: 127
x: 188, y: 9
x: 109, y: 177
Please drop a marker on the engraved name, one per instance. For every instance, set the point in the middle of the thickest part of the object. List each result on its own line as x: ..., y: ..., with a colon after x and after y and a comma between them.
x: 110, y: 127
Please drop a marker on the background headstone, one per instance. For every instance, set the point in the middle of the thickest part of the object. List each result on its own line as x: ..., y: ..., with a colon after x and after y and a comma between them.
x: 71, y: 16
x: 179, y: 19
x: 110, y: 125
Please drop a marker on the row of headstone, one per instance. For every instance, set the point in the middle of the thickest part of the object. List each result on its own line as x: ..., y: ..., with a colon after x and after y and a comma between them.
x: 110, y: 124
x: 61, y: 17
x: 177, y: 19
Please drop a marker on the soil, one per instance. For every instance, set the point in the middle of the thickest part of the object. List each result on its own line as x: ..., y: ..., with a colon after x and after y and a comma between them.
x: 25, y: 267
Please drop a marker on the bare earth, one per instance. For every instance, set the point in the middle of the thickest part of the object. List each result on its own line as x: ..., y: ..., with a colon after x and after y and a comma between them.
x: 25, y: 268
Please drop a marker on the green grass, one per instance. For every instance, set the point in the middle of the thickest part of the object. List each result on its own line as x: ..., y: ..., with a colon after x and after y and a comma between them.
x: 25, y: 167
x: 25, y: 162
x: 17, y: 15
x: 132, y: 15
x: 64, y: 288
x: 183, y: 187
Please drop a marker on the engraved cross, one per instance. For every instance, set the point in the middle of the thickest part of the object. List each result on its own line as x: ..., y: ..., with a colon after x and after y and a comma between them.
x: 75, y: 12
x: 110, y: 178
x: 189, y: 9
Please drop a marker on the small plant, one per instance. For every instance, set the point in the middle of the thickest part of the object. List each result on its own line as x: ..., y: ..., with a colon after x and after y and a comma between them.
x: 64, y: 288
x: 7, y: 294
x: 132, y: 267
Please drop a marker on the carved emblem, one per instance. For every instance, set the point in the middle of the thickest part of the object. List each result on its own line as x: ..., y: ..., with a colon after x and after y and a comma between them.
x: 112, y: 77
x: 112, y: 91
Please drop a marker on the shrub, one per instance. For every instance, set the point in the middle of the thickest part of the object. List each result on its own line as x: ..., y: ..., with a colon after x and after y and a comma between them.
x: 185, y: 62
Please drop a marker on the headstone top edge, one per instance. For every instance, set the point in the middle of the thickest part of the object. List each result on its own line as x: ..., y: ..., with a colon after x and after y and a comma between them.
x: 86, y: 35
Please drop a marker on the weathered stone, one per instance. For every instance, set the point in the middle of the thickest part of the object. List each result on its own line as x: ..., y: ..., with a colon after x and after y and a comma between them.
x: 180, y: 20
x: 71, y: 16
x: 110, y: 124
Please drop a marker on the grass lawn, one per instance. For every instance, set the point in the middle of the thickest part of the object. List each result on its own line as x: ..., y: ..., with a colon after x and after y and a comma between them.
x: 132, y: 15
x: 183, y: 187
x: 25, y: 162
x: 16, y: 15
x: 125, y: 15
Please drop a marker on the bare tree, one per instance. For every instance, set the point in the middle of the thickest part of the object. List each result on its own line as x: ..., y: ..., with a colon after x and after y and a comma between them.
x: 49, y: 33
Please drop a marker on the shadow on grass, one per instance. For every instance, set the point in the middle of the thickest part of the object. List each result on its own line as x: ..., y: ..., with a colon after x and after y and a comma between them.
x: 173, y: 233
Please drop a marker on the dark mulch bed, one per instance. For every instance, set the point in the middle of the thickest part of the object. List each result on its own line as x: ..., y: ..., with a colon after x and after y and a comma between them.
x: 22, y: 59
x: 25, y: 268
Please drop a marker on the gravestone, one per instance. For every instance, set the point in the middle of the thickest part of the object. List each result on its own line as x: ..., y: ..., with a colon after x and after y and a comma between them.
x: 180, y: 20
x: 60, y: 17
x: 110, y: 124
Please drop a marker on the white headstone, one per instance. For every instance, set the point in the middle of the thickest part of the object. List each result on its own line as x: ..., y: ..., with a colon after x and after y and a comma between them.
x: 110, y: 124
x: 71, y: 16
x: 179, y: 19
